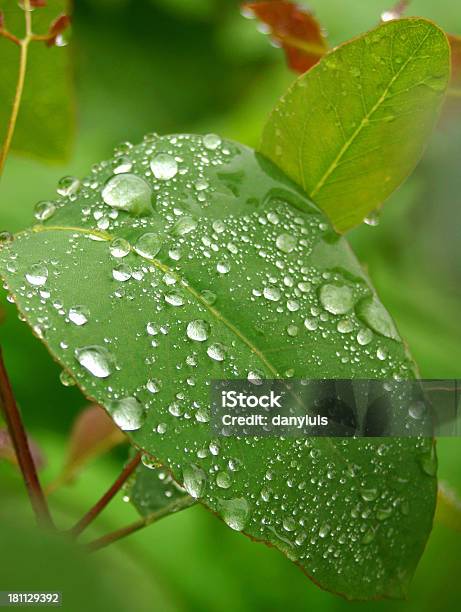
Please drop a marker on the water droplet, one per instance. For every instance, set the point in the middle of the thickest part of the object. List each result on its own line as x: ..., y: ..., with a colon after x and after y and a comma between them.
x: 184, y: 225
x: 217, y: 351
x: 66, y: 379
x: 311, y: 324
x: 122, y: 165
x: 68, y: 185
x: 208, y: 296
x: 44, y: 210
x: 364, y: 337
x: 128, y: 192
x: 164, y: 166
x: 337, y: 299
x: 369, y: 494
x: 372, y: 313
x: 223, y: 267
x: 198, y: 330
x: 37, y: 275
x: 417, y: 410
x: 5, y: 237
x: 96, y: 359
x: 345, y: 326
x: 255, y: 376
x: 223, y: 480
x: 428, y: 461
x: 272, y: 293
x: 153, y: 385
x: 201, y: 185
x: 286, y: 243
x: 78, y: 315
x: 235, y: 512
x: 128, y: 413
x: 148, y: 245
x: 324, y: 530
x: 119, y: 247
x: 194, y: 481
x: 174, y: 298
x: 122, y: 272
x: 211, y: 141
x: 289, y: 524
x: 292, y: 330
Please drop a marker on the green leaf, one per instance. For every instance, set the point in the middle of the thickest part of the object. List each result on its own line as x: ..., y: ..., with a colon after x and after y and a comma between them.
x: 351, y: 129
x: 153, y: 492
x: 233, y: 273
x: 45, y: 126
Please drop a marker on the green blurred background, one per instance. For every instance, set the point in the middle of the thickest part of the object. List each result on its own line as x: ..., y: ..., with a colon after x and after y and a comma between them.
x: 198, y: 66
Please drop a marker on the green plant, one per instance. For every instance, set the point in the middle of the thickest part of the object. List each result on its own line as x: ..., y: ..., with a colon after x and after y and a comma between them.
x: 186, y: 258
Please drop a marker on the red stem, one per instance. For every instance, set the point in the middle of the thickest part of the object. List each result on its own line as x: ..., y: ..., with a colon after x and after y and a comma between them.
x: 22, y: 449
x: 96, y: 510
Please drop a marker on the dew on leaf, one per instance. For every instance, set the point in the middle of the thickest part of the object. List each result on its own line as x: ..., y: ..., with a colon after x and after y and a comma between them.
x: 337, y: 299
x: 119, y: 247
x: 174, y: 298
x: 78, y: 315
x: 44, y: 210
x: 235, y: 512
x: 217, y: 351
x: 194, y: 481
x: 121, y: 272
x: 148, y: 245
x: 68, y: 185
x: 128, y: 413
x: 286, y: 243
x: 96, y: 359
x: 212, y: 141
x: 164, y: 167
x: 184, y: 225
x: 198, y: 330
x: 37, y: 275
x: 128, y: 192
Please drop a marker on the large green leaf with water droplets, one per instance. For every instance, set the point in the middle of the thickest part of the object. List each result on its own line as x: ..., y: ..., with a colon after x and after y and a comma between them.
x: 187, y: 259
x: 351, y: 129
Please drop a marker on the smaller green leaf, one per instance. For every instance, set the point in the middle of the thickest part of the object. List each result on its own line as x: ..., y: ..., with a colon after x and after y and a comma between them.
x: 152, y: 490
x: 351, y: 129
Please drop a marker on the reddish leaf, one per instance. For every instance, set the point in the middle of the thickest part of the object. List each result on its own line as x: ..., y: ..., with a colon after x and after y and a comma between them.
x: 2, y: 20
x: 294, y: 28
x: 93, y: 434
x: 37, y: 3
x: 7, y: 450
x: 58, y: 26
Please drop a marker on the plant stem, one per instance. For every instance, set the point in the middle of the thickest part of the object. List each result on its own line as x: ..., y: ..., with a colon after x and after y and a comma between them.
x: 21, y: 446
x: 145, y: 521
x: 24, y: 48
x: 106, y: 498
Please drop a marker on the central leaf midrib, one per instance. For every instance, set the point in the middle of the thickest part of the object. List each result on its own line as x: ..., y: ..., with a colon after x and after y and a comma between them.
x: 365, y: 121
x: 105, y: 236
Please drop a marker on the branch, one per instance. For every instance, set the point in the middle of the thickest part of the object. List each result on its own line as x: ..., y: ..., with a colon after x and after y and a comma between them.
x: 24, y: 48
x: 106, y: 498
x: 21, y: 447
x: 145, y: 521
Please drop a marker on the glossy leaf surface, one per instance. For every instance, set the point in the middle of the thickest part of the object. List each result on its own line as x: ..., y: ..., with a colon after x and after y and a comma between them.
x: 187, y: 259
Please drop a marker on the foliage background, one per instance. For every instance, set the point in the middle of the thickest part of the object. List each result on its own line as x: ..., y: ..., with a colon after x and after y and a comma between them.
x: 197, y: 66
